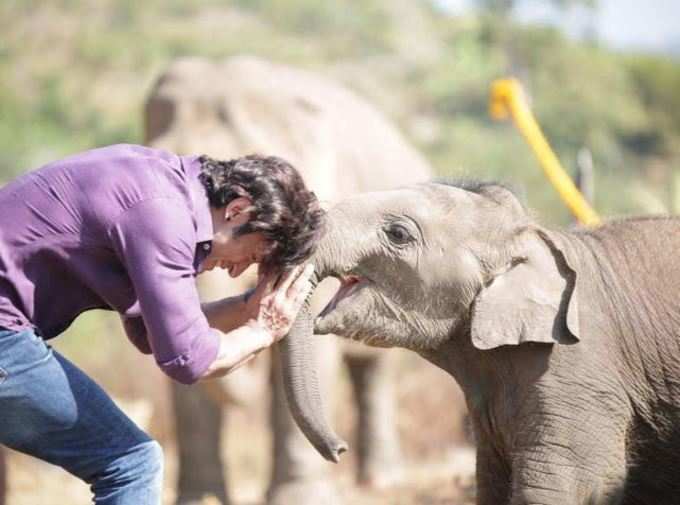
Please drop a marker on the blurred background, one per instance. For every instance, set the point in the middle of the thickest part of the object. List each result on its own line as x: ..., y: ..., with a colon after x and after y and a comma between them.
x: 603, y: 78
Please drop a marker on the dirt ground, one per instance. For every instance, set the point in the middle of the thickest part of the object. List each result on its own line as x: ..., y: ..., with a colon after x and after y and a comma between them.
x: 438, y: 467
x: 435, y: 483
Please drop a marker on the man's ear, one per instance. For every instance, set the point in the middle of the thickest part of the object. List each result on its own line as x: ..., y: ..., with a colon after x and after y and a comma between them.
x: 534, y: 299
x: 238, y: 207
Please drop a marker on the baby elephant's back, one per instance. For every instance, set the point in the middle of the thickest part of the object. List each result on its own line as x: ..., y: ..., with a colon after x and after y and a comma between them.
x: 645, y: 256
x: 645, y: 252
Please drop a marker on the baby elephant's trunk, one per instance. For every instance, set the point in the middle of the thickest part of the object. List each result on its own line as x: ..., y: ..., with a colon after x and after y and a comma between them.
x: 302, y: 386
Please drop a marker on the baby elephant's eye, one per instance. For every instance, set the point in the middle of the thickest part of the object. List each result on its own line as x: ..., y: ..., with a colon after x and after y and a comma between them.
x: 398, y: 234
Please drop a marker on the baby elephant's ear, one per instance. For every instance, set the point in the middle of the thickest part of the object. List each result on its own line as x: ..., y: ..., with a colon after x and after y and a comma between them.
x: 533, y: 300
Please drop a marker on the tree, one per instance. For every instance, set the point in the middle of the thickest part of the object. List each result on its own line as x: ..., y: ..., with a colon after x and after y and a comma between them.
x: 505, y: 7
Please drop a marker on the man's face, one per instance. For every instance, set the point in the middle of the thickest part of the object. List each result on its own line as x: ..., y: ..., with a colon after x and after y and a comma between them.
x: 233, y: 253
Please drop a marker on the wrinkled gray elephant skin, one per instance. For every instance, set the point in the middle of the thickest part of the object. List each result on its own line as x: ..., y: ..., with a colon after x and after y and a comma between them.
x: 302, y: 389
x: 565, y: 343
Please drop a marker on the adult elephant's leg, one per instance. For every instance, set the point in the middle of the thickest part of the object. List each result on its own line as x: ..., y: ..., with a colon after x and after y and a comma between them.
x: 3, y: 477
x: 377, y: 445
x: 300, y: 476
x: 198, y: 424
x: 199, y: 415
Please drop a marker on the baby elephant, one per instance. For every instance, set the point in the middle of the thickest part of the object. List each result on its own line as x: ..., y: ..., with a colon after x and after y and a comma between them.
x: 565, y: 343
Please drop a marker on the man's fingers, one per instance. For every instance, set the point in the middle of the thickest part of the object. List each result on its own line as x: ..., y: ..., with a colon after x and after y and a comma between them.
x: 265, y: 284
x: 302, y: 281
x: 279, y: 309
x: 296, y: 294
x: 296, y: 300
x: 300, y: 293
x: 288, y: 279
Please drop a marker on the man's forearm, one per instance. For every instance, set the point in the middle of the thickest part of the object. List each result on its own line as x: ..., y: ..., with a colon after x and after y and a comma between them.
x: 227, y: 314
x: 238, y: 347
x: 277, y: 308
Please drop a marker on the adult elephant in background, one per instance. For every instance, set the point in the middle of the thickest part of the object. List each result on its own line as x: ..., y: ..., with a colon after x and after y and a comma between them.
x: 342, y: 146
x: 566, y: 343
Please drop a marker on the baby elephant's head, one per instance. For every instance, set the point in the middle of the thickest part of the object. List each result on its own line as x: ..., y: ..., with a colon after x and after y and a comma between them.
x: 416, y: 264
x: 423, y: 265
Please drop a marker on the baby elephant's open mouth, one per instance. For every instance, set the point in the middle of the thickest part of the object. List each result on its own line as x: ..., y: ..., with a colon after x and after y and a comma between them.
x: 349, y: 286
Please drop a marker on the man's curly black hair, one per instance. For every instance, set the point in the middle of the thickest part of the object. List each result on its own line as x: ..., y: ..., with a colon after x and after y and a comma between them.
x: 284, y: 210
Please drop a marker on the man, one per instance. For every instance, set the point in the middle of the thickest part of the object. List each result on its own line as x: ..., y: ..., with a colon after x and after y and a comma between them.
x: 127, y: 228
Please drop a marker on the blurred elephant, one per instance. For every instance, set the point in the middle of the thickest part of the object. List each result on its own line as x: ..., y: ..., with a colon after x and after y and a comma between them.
x: 342, y: 146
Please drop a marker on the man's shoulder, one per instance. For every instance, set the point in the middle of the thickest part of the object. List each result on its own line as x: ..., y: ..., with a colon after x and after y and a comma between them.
x: 120, y: 156
x: 116, y: 178
x: 127, y: 174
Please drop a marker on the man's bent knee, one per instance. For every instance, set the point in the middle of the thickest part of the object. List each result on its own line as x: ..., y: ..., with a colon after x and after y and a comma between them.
x: 150, y: 455
x: 134, y: 477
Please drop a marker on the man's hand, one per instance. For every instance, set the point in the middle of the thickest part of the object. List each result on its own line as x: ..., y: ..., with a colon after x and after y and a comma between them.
x: 272, y: 308
x: 280, y: 299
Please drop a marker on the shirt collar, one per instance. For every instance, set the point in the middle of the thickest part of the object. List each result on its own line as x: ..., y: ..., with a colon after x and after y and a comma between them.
x: 199, y: 199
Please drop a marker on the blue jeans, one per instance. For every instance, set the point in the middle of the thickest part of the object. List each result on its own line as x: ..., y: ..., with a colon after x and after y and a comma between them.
x: 51, y: 410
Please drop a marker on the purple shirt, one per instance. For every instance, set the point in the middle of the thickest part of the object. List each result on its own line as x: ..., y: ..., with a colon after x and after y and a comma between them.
x: 122, y: 227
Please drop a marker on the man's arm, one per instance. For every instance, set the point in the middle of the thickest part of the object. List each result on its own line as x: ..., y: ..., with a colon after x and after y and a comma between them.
x: 155, y: 241
x: 239, y: 341
x: 269, y: 310
x: 237, y: 348
x: 225, y: 315
x: 247, y: 323
x: 229, y: 313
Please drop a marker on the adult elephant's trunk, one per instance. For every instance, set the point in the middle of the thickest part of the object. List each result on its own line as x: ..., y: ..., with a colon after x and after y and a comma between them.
x: 302, y: 386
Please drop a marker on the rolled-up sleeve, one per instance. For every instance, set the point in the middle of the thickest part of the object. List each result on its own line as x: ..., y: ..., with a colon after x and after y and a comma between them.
x: 155, y: 240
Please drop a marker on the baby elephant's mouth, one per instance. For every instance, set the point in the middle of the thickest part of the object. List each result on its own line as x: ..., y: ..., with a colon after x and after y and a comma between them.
x: 349, y: 285
x: 351, y: 312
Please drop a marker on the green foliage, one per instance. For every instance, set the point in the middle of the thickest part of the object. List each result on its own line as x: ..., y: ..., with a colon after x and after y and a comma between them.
x: 346, y: 27
x: 583, y: 96
x: 75, y: 75
x: 503, y: 7
x: 657, y: 83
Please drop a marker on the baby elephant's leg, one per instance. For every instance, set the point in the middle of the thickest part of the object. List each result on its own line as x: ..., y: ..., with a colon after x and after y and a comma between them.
x: 571, y: 462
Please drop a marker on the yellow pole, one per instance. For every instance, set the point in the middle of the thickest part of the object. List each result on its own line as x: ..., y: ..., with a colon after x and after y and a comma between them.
x: 507, y: 99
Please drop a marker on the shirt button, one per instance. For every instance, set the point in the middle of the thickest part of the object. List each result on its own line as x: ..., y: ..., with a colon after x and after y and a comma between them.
x: 206, y: 247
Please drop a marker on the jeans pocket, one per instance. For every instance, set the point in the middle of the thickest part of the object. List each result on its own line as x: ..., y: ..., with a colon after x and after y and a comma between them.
x: 3, y: 375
